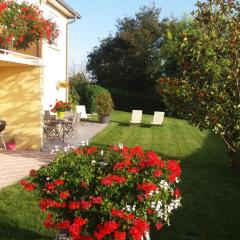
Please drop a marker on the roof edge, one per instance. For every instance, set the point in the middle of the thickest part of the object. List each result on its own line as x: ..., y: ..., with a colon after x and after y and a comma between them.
x: 71, y: 10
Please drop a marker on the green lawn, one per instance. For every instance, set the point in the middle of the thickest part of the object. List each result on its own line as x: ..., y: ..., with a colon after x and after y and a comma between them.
x: 210, y: 190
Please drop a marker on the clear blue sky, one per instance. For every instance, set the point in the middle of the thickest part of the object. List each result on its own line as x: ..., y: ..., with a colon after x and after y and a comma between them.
x: 98, y: 19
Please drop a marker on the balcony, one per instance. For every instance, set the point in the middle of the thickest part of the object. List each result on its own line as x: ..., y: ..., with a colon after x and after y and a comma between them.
x: 14, y: 57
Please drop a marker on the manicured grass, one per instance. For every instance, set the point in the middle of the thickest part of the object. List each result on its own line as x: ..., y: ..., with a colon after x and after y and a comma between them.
x: 210, y: 189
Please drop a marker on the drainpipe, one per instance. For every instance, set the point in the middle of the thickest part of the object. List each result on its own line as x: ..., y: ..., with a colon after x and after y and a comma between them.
x: 68, y: 23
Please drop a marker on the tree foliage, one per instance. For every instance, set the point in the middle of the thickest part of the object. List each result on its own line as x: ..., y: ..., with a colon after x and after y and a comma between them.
x: 131, y: 58
x: 208, y: 90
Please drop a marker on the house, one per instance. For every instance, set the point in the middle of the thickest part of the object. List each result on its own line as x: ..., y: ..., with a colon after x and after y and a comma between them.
x: 29, y: 78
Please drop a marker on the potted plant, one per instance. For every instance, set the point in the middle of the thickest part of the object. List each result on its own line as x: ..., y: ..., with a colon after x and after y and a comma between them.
x: 104, y: 106
x: 11, y: 144
x: 112, y: 193
x: 60, y: 107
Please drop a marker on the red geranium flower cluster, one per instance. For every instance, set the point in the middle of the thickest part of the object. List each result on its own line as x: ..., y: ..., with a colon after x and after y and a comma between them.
x: 108, y: 193
x: 61, y: 106
x: 22, y: 24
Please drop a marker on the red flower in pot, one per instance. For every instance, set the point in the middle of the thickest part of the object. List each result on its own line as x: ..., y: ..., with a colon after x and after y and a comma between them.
x: 11, y: 144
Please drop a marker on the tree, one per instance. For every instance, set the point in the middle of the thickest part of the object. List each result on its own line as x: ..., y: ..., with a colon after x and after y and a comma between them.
x: 171, y: 39
x: 208, y: 90
x: 130, y: 59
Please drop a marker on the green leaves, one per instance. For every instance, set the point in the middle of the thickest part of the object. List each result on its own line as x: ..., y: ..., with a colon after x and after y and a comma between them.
x: 207, y: 91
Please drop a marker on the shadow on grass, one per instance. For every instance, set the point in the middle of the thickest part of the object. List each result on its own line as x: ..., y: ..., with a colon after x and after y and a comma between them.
x: 10, y: 232
x: 122, y: 124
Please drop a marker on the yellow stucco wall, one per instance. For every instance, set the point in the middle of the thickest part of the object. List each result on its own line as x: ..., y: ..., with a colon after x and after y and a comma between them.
x: 20, y: 105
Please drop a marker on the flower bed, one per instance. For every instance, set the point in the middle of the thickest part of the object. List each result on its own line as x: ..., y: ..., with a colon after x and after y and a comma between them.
x: 113, y: 193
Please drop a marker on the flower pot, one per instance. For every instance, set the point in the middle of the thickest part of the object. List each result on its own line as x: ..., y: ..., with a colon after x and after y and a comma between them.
x: 104, y: 119
x: 60, y: 114
x: 11, y: 146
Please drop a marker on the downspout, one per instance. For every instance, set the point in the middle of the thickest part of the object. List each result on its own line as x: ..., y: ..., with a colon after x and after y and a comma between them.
x: 67, y: 77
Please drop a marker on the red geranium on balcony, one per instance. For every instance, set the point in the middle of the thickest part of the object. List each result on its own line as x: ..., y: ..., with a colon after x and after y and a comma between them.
x: 22, y: 24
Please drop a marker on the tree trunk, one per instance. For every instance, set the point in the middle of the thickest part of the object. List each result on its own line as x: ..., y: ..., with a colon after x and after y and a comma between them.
x: 233, y: 159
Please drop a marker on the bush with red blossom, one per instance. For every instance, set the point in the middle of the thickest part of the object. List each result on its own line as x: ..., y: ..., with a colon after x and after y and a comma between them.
x: 22, y: 24
x: 115, y: 193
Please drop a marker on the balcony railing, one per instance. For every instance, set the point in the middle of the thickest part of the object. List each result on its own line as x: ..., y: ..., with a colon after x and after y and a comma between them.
x: 13, y: 56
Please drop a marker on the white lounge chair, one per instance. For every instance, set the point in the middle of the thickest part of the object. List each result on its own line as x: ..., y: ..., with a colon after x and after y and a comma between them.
x: 136, y: 116
x: 82, y: 110
x: 158, y: 118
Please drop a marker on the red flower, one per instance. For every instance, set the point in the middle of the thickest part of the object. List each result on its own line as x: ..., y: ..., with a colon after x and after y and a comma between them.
x: 75, y: 228
x: 140, y: 198
x: 48, y: 222
x: 28, y: 186
x: 50, y: 186
x: 150, y: 211
x: 80, y: 221
x: 122, y: 214
x: 74, y: 231
x: 74, y: 205
x: 106, y: 181
x: 78, y: 151
x: 137, y: 151
x: 138, y: 229
x: 86, y: 204
x: 59, y: 182
x: 157, y: 173
x: 133, y: 170
x: 158, y: 226
x: 147, y: 187
x: 177, y: 193
x: 64, y: 225
x: 174, y: 169
x: 91, y: 150
x: 120, y: 235
x: 21, y: 38
x: 64, y: 195
x: 106, y: 229
x: 96, y: 200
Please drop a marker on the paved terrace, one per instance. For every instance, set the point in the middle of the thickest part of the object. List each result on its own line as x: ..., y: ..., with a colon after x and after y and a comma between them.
x: 14, y: 165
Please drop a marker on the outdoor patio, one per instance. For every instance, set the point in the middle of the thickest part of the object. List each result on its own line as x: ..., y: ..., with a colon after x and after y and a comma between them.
x: 15, y: 165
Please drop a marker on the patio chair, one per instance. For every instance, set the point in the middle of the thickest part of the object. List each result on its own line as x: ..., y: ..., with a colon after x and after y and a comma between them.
x: 51, y: 127
x: 158, y: 118
x: 46, y: 113
x: 136, y: 116
x: 71, y: 126
x: 82, y: 110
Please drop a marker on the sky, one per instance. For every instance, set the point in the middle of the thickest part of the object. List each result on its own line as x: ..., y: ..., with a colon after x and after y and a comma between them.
x: 99, y: 18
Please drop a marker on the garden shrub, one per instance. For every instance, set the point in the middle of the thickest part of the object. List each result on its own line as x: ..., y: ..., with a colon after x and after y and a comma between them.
x: 87, y: 93
x: 127, y: 101
x: 115, y: 193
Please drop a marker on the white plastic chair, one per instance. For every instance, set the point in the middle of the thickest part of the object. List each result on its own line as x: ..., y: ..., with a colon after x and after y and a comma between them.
x: 136, y: 116
x: 82, y: 110
x: 158, y: 118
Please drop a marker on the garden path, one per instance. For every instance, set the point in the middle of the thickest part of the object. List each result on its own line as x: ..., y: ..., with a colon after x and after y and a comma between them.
x: 14, y: 165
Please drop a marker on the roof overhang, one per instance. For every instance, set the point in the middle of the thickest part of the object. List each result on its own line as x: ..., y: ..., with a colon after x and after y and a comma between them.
x: 65, y: 9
